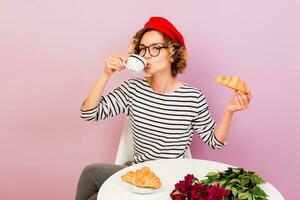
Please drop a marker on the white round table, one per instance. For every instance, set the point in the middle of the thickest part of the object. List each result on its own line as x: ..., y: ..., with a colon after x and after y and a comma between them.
x: 170, y: 172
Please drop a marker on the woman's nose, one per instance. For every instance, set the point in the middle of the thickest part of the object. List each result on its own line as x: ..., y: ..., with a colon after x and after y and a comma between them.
x: 147, y: 57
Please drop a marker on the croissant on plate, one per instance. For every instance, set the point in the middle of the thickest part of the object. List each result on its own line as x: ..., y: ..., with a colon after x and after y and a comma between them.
x: 143, y: 177
x: 233, y: 82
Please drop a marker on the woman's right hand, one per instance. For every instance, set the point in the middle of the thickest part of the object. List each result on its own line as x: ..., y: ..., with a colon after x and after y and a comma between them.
x: 114, y: 63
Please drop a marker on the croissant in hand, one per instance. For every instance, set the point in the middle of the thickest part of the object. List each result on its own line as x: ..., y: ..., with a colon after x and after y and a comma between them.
x: 233, y: 82
x: 143, y: 177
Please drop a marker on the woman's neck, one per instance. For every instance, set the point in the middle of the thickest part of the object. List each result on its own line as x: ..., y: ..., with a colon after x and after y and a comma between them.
x: 163, y: 84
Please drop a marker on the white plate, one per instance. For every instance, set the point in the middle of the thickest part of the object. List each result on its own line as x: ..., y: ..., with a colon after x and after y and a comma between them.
x: 139, y: 190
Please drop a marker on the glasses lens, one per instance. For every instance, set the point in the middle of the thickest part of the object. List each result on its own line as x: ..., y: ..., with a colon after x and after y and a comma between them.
x: 142, y: 51
x: 154, y: 50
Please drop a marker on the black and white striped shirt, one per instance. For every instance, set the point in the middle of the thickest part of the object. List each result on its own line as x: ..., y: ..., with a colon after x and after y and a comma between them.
x: 162, y: 124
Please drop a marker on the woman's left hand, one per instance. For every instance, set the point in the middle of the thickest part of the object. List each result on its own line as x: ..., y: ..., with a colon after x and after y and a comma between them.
x: 240, y: 101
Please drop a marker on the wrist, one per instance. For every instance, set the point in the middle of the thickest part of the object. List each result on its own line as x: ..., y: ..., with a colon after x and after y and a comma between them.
x: 105, y: 75
x: 228, y: 112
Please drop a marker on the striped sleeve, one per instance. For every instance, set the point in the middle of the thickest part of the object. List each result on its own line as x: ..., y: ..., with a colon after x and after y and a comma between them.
x: 114, y: 103
x: 205, y: 126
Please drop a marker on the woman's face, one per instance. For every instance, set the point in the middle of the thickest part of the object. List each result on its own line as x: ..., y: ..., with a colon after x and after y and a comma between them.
x: 161, y: 62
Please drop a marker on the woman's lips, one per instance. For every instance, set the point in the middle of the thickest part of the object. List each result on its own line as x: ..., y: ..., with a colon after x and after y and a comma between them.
x: 146, y: 68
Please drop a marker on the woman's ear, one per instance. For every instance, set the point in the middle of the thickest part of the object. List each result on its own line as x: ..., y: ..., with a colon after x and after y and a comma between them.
x: 171, y: 59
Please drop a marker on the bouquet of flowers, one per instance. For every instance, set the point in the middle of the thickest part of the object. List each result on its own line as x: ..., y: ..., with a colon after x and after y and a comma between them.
x: 192, y: 189
x: 230, y: 184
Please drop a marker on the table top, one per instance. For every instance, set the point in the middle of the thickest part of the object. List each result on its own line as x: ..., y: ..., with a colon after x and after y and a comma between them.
x: 170, y: 171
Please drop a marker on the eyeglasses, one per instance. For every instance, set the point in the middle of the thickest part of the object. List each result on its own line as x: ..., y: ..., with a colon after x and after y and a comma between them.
x: 153, y: 49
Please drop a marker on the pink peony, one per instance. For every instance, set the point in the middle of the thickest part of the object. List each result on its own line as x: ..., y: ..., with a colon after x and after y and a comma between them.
x: 191, y: 189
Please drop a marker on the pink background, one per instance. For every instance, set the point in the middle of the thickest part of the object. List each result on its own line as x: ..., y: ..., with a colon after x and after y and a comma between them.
x: 53, y: 51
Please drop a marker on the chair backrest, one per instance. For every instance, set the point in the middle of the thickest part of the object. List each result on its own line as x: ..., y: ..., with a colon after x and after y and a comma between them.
x: 125, y: 149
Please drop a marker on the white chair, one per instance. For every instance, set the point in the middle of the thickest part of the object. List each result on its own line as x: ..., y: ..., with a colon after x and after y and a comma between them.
x: 125, y: 149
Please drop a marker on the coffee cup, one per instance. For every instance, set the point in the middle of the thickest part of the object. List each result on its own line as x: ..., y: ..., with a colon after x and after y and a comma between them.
x: 135, y: 63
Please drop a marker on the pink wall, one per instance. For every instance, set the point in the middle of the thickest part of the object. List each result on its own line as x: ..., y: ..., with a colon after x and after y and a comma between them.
x: 51, y: 54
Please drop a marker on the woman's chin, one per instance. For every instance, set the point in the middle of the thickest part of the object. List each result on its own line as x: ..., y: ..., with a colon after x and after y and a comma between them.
x: 148, y: 73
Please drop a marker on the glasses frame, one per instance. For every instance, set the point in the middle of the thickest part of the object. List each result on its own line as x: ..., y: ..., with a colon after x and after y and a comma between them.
x: 147, y: 48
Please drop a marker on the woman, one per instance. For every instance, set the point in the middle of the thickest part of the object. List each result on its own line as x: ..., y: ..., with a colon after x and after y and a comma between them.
x: 164, y: 112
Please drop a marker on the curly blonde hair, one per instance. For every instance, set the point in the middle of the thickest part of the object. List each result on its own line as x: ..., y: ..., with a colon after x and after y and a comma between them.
x: 177, y: 52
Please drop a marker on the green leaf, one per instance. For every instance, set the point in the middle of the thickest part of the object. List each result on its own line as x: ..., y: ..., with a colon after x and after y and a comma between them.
x: 212, y: 174
x: 256, y: 179
x: 234, y: 191
x: 244, y: 195
x: 235, y: 180
x: 222, y: 182
x: 244, y: 181
x: 258, y: 192
x: 228, y: 187
x: 237, y: 170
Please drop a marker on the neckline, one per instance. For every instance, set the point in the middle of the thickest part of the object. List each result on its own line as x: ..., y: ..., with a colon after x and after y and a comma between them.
x: 163, y: 94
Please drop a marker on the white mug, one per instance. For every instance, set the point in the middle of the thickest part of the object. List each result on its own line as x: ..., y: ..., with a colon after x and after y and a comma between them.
x: 135, y: 63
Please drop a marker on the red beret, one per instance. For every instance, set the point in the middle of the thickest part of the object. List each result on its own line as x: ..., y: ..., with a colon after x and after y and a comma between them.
x: 166, y: 27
